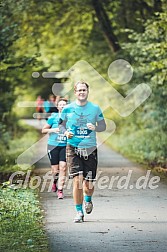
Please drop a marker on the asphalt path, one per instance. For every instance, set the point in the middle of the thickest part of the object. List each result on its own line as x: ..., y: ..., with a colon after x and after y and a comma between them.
x: 129, y: 215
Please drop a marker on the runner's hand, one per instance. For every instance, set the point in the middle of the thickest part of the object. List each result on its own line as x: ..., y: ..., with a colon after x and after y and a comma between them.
x: 55, y: 130
x: 90, y: 126
x: 68, y: 134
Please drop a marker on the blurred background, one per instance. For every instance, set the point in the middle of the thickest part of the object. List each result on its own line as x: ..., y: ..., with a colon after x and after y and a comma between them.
x: 51, y: 36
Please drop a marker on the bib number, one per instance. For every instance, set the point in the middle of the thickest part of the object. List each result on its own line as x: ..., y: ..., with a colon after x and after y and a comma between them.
x: 61, y: 138
x: 82, y: 132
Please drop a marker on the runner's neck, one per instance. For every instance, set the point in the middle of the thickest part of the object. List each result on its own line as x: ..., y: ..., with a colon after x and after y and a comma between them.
x: 81, y: 103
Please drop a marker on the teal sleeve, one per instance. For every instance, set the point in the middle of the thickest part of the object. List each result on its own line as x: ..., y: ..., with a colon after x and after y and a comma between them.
x: 50, y: 120
x: 99, y: 115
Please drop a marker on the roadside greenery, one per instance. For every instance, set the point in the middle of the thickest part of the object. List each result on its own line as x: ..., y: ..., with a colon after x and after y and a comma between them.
x: 13, y: 145
x: 21, y: 216
x: 45, y: 36
x: 143, y: 135
x: 52, y: 35
x: 21, y: 226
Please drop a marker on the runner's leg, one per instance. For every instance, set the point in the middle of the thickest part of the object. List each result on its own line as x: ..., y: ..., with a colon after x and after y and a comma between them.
x: 78, y: 197
x: 88, y: 188
x: 78, y: 189
x: 55, y: 173
x: 62, y: 174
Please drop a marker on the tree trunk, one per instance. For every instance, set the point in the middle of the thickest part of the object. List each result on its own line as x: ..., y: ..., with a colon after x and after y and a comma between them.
x: 106, y: 25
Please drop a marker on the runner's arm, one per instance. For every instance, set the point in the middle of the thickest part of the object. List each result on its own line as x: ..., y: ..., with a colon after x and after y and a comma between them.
x: 62, y: 125
x: 48, y: 129
x: 101, y: 126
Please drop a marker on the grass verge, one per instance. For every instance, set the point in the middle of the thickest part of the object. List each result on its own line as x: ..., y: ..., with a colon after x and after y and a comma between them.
x: 146, y: 148
x: 21, y: 221
x: 24, y: 138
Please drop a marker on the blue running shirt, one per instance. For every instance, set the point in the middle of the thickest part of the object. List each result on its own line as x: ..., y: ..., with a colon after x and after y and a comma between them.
x: 56, y: 139
x: 76, y: 118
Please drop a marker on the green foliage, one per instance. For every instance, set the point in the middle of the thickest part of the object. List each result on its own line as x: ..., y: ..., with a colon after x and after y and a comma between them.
x: 24, y: 138
x: 149, y: 54
x: 145, y: 146
x: 21, y: 221
x: 52, y: 35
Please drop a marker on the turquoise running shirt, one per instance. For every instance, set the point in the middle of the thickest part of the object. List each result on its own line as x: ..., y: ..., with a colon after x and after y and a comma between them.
x: 76, y: 118
x: 56, y: 139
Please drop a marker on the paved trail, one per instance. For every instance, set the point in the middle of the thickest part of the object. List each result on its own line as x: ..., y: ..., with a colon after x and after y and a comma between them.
x: 123, y: 220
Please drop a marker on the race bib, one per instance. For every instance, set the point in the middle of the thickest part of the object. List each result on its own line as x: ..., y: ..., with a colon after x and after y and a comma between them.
x: 82, y: 132
x: 61, y: 138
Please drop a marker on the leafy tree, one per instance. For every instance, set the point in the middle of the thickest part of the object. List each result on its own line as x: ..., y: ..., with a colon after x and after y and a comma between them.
x: 52, y: 35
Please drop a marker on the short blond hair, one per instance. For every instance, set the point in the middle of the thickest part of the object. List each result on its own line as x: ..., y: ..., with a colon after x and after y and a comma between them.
x: 81, y: 82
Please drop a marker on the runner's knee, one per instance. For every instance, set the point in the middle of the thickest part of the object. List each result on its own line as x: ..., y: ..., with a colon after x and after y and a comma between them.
x: 88, y: 185
x: 62, y: 167
x: 78, y: 182
x: 55, y: 168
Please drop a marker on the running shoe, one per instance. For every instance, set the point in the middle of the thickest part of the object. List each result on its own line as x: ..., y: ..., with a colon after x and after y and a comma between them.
x: 79, y: 217
x: 60, y: 194
x: 88, y: 207
x: 54, y: 187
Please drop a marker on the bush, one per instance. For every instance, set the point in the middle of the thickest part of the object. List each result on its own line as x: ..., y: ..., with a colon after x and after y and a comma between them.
x: 146, y: 146
x: 21, y: 221
x: 23, y: 139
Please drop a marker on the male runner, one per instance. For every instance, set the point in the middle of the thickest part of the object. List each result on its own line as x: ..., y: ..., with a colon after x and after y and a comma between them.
x: 82, y: 119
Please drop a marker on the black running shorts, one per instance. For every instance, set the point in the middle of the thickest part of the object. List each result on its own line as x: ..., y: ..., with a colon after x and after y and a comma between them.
x: 56, y: 154
x: 80, y: 164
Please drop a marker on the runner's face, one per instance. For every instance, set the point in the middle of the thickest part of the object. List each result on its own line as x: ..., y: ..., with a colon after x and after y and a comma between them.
x: 61, y: 105
x: 81, y: 92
